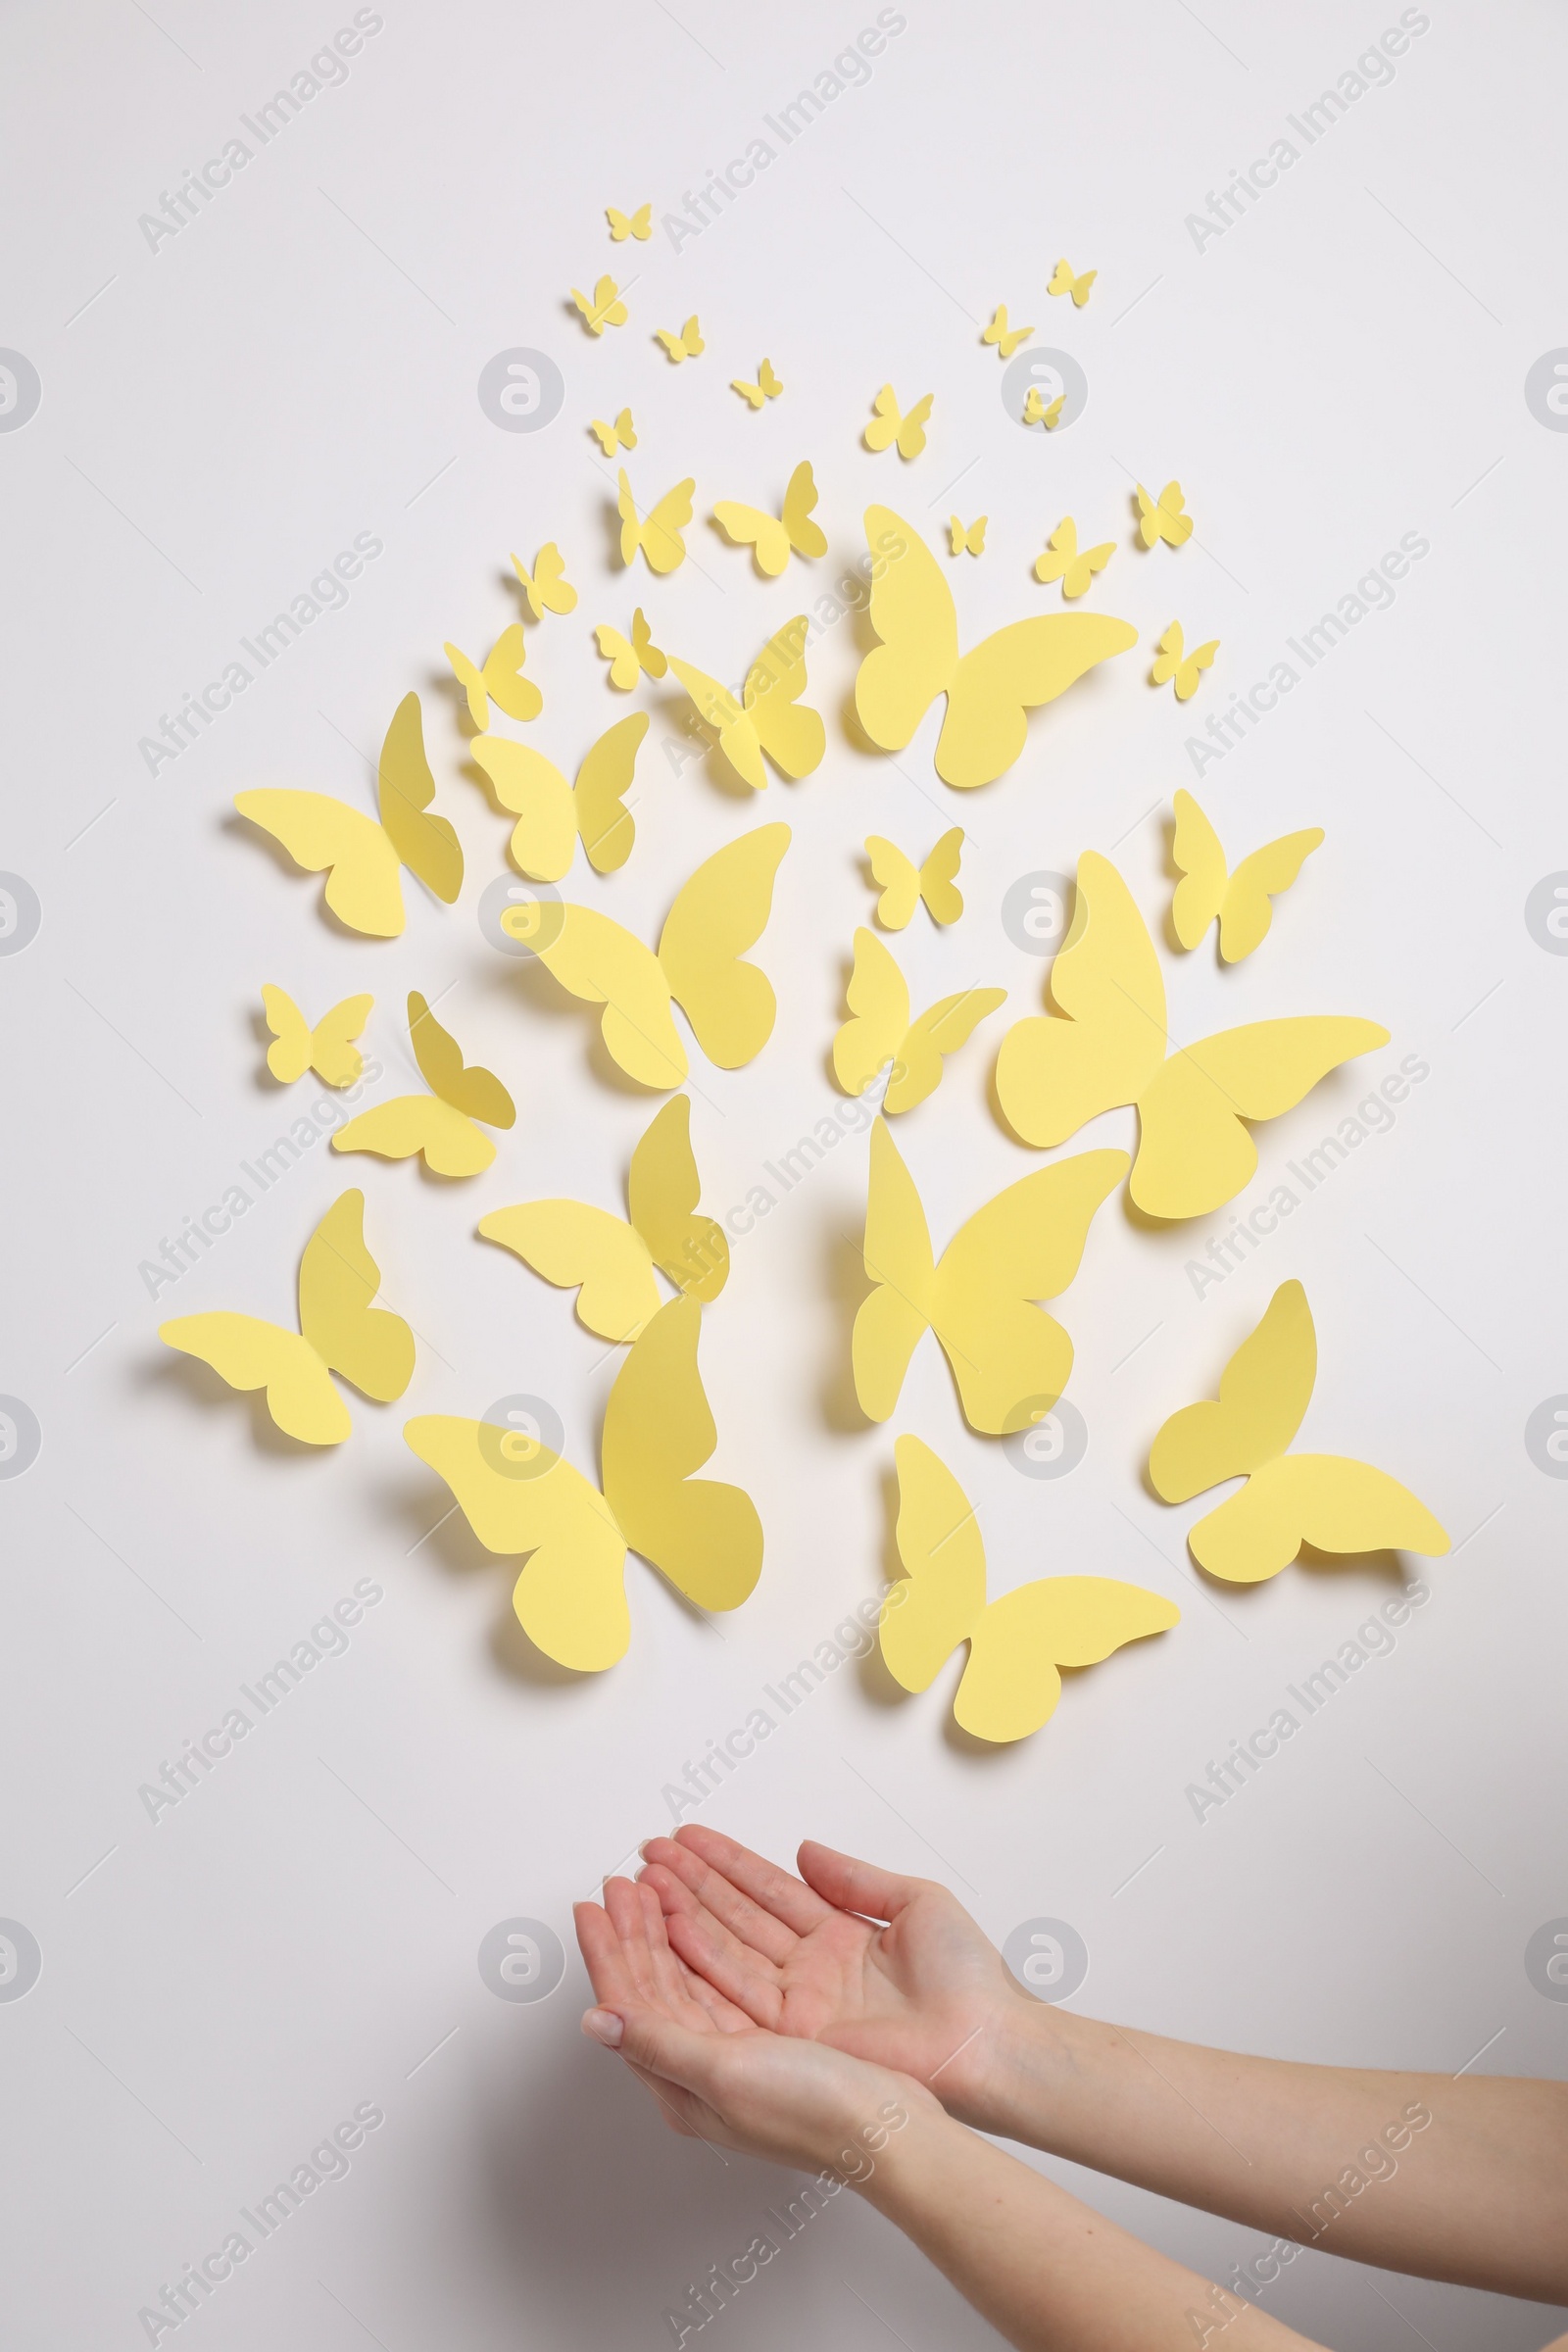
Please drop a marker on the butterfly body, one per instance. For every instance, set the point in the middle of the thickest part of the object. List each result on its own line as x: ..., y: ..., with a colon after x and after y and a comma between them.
x: 440, y: 1125
x: 1241, y: 902
x: 629, y: 658
x: 773, y: 538
x: 602, y: 308
x: 1004, y: 338
x: 770, y: 716
x: 687, y: 345
x: 1074, y: 566
x: 658, y: 533
x: 498, y: 678
x: 1064, y: 282
x: 889, y: 427
x: 880, y: 1030
x: 905, y: 884
x: 328, y: 1049
x: 552, y: 814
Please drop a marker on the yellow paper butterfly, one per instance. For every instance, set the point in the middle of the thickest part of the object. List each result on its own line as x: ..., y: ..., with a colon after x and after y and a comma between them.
x: 880, y: 1030
x: 719, y: 912
x: 766, y: 387
x: 441, y: 1123
x: 1006, y: 338
x: 1037, y: 410
x: 638, y: 225
x: 770, y: 716
x: 771, y: 537
x: 546, y: 588
x: 610, y: 1260
x: 1062, y: 281
x: 1163, y: 518
x: 905, y: 884
x: 1011, y: 1682
x: 499, y: 680
x: 328, y: 1049
x: 1073, y: 566
x: 361, y: 858
x: 552, y: 814
x: 658, y: 533
x: 604, y: 308
x: 1108, y: 1046
x: 1009, y: 1358
x: 687, y: 345
x: 990, y: 689
x: 629, y: 661
x: 1240, y: 901
x: 519, y: 1496
x: 1175, y: 661
x: 968, y: 538
x: 620, y: 434
x: 339, y: 1332
x: 1324, y: 1499
x: 888, y: 426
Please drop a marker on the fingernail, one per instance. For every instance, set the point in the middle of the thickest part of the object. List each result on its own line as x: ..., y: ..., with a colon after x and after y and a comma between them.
x: 604, y: 2025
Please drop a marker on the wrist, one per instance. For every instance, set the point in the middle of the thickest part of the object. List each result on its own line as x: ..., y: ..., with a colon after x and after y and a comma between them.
x: 914, y: 2156
x: 1020, y: 2067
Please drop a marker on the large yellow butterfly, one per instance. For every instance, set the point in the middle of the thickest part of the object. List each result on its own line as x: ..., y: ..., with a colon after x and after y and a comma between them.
x: 546, y: 587
x: 519, y: 1496
x: 602, y: 308
x: 361, y: 858
x: 500, y: 679
x: 441, y: 1123
x: 1062, y: 281
x: 687, y: 345
x: 1175, y: 661
x: 1037, y: 410
x: 1163, y: 518
x: 628, y: 659
x: 658, y: 533
x: 1108, y: 1046
x: 880, y: 1030
x: 888, y: 426
x: 769, y: 716
x: 1011, y: 1683
x: 1325, y: 1499
x: 328, y: 1049
x: 968, y: 538
x: 1073, y: 566
x: 619, y: 433
x: 339, y: 1332
x: 981, y: 1298
x: 1006, y: 338
x: 1240, y: 901
x: 552, y: 814
x: 989, y: 690
x: 639, y: 225
x: 610, y: 1260
x: 721, y: 911
x: 771, y: 537
x: 766, y: 387
x: 905, y: 884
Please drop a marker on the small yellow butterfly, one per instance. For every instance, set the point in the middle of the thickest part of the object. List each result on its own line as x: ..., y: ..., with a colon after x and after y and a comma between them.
x: 1163, y: 518
x: 766, y: 387
x: 638, y: 225
x: 770, y: 716
x: 1241, y: 902
x: 604, y: 308
x: 499, y: 680
x: 658, y: 532
x: 968, y: 538
x: 687, y: 345
x: 619, y: 435
x: 1063, y: 282
x: 627, y: 661
x: 546, y: 587
x: 328, y: 1049
x: 888, y: 426
x: 880, y: 1031
x: 1006, y: 338
x: 1037, y: 410
x: 1175, y: 662
x: 552, y: 814
x: 771, y: 537
x: 441, y: 1123
x: 1066, y: 563
x: 905, y: 884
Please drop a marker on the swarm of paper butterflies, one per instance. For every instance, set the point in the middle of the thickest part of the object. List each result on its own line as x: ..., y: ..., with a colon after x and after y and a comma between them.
x: 642, y: 1280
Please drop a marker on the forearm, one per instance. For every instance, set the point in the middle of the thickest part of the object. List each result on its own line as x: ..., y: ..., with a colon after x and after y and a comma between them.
x: 1045, y: 2269
x: 1464, y: 2179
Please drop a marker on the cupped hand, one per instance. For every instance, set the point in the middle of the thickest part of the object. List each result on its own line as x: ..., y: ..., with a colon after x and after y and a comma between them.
x: 805, y: 1957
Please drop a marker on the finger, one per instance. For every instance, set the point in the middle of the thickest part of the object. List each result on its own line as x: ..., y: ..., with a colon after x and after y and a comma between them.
x: 624, y: 1905
x: 707, y: 1945
x: 678, y: 2058
x: 600, y: 1946
x: 851, y: 1885
x: 703, y: 1892
x: 765, y: 1923
x: 777, y: 1890
x: 670, y: 1977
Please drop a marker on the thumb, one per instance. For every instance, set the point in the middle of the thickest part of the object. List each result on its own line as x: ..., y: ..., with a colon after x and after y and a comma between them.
x: 655, y: 2045
x: 851, y: 1885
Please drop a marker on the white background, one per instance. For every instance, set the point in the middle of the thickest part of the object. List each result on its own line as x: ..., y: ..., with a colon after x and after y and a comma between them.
x: 1344, y: 366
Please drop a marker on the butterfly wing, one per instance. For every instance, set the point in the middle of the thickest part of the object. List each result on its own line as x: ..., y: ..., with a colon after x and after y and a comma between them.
x: 912, y: 613
x: 414, y: 1124
x: 939, y: 1031
x: 718, y: 708
x: 662, y: 1191
x: 674, y: 349
x: 1335, y: 1504
x: 1263, y: 1393
x: 901, y: 881
x: 752, y: 394
x: 323, y: 835
x: 878, y: 999
x: 649, y: 657
x: 1055, y: 1072
x: 608, y: 310
x: 939, y: 878
x: 1008, y: 1358
x: 717, y: 914
x: 426, y: 845
x: 705, y: 1536
x: 1194, y: 1153
x: 772, y: 384
x: 476, y: 1093
x: 1247, y: 913
x: 249, y: 1353
x: 748, y: 526
x: 911, y: 428
x: 597, y: 959
x: 1187, y: 676
x: 658, y: 535
x: 994, y: 688
x: 586, y: 1249
x: 334, y: 1056
x: 551, y: 585
x: 1200, y: 893
x: 599, y: 812
x: 619, y: 224
x: 289, y: 1056
x: 605, y: 435
x: 885, y: 419
x: 899, y: 1261
x: 690, y: 338
x: 1172, y: 654
x: 517, y: 695
x: 624, y: 671
x: 1011, y: 1685
x: 338, y: 1279
x: 471, y: 679
x: 808, y: 538
x: 940, y: 1600
x: 1060, y: 561
x: 793, y: 736
x: 544, y: 839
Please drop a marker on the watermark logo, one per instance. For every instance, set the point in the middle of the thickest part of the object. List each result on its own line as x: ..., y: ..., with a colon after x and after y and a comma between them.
x: 1546, y: 913
x: 521, y: 1960
x: 1545, y: 1959
x: 20, y: 1960
x: 1054, y: 1443
x: 521, y: 390
x: 519, y: 918
x: 1048, y: 1957
x: 1545, y: 390
x: 521, y: 1436
x: 20, y: 914
x: 1037, y: 911
x: 1055, y: 375
x: 19, y: 391
x: 19, y: 1437
x: 1545, y: 1437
